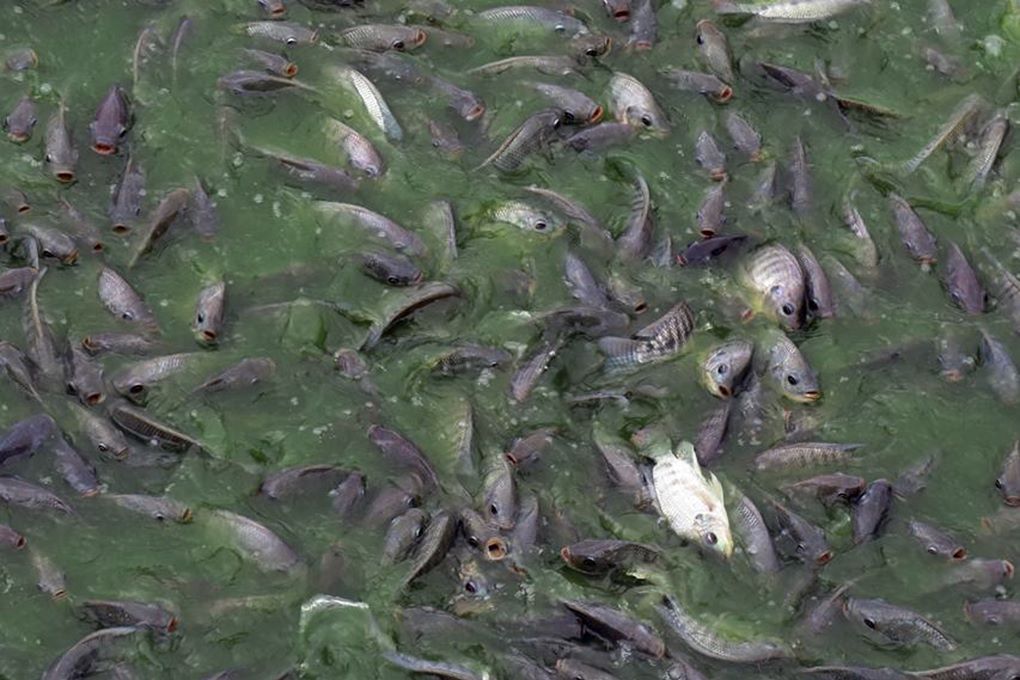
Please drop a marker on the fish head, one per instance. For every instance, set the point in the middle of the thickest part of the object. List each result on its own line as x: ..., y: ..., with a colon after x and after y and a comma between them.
x: 786, y: 302
x: 714, y: 533
x: 592, y: 46
x: 798, y: 383
x: 646, y: 118
x: 724, y: 366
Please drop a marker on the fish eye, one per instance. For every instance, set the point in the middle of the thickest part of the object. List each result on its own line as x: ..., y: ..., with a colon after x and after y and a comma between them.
x: 870, y: 623
x: 392, y: 280
x: 998, y: 483
x: 589, y: 562
x: 540, y: 226
x: 493, y: 510
x: 569, y: 117
x: 103, y: 448
x: 646, y: 120
x: 49, y: 158
x: 418, y: 531
x: 200, y: 318
x: 792, y: 379
x: 471, y: 587
x: 560, y: 28
x: 711, y: 538
x: 398, y: 45
x: 46, y: 253
x: 787, y: 309
x: 473, y: 541
x: 158, y: 516
x: 592, y: 52
x: 932, y: 550
x: 291, y: 40
x: 137, y: 388
x: 721, y: 369
x: 700, y: 39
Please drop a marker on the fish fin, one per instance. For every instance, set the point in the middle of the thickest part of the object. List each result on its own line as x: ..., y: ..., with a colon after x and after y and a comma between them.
x: 685, y: 452
x: 614, y: 347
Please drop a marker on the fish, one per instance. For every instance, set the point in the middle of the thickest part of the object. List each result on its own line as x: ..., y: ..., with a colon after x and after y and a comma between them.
x: 790, y: 371
x: 250, y: 82
x: 301, y: 479
x: 707, y: 84
x: 401, y: 451
x: 865, y: 251
x: 275, y: 64
x: 1008, y: 483
x: 256, y: 542
x: 11, y: 539
x: 439, y: 669
x: 599, y: 557
x: 25, y: 437
x: 81, y: 226
x: 644, y: 25
x: 123, y: 302
x: 711, y: 433
x: 348, y: 494
x: 85, y: 378
x: 1002, y: 374
x: 482, y: 535
x: 831, y: 488
x: 375, y: 105
x: 404, y: 304
x: 469, y: 357
x: 775, y: 276
x: 118, y: 343
x: 582, y: 283
x: 818, y: 297
x: 126, y: 202
x: 745, y: 138
x: 16, y: 200
x: 375, y: 224
x: 957, y: 121
x: 710, y: 157
x: 992, y: 136
x: 61, y: 155
x: 391, y: 269
x: 1006, y: 288
x: 707, y: 642
x: 993, y: 612
x: 433, y: 546
x: 617, y: 9
x: 660, y: 340
x: 247, y: 372
x: 21, y: 59
x: 894, y: 625
x: 20, y: 122
x: 93, y: 651
x: 551, y: 65
x: 111, y: 123
x: 578, y: 670
x: 403, y: 532
x: 809, y: 542
x: 135, y: 379
x: 617, y: 626
x: 113, y: 613
x: 962, y: 283
x: 18, y: 368
x: 871, y: 510
x: 79, y: 473
x: 600, y: 136
x: 633, y: 242
x: 530, y: 137
x: 714, y: 49
x: 360, y: 151
x: 49, y: 579
x: 382, y: 37
x: 141, y: 425
x: 526, y: 216
x: 500, y: 494
x: 803, y: 454
x: 281, y: 31
x: 527, y: 449
x: 800, y: 179
x: 439, y: 218
x: 710, y: 217
x: 560, y: 23
x: 789, y: 11
x: 207, y: 322
x: 42, y: 346
x: 634, y: 104
x: 724, y: 368
x: 753, y: 535
x: 17, y: 491
x: 106, y: 439
x: 445, y: 138
x: 274, y: 8
x: 935, y: 541
x: 202, y: 211
x: 53, y: 243
x: 578, y: 108
x: 173, y: 206
x: 690, y: 497
x: 621, y: 468
x: 159, y: 508
x: 706, y: 251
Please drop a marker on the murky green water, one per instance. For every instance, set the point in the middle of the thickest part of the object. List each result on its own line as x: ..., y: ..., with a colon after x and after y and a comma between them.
x: 288, y: 271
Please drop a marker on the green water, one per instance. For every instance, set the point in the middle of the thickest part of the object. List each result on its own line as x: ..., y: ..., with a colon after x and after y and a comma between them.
x: 273, y: 249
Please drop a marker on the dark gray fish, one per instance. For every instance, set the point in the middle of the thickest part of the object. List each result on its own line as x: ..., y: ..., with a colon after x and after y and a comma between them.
x: 84, y: 230
x: 111, y: 122
x: 285, y: 32
x: 822, y: 616
x: 16, y: 200
x: 207, y: 323
x: 277, y: 9
x: 276, y: 64
x: 141, y: 425
x: 392, y: 269
x: 817, y: 292
x: 1003, y: 376
x: 471, y: 358
x: 499, y: 494
x: 830, y: 489
x: 918, y: 241
x: 348, y: 494
x: 753, y: 534
x: 962, y: 283
x: 582, y: 283
x: 616, y: 626
x: 711, y: 644
x: 301, y: 480
x: 482, y: 535
x: 559, y: 23
x: 202, y: 210
x: 11, y: 539
x: 185, y: 26
x: 437, y: 669
x: 402, y: 452
x: 810, y: 544
x: 993, y: 612
x: 434, y: 545
x: 803, y: 454
x: 49, y: 579
x: 711, y: 433
x: 620, y: 465
x: 18, y: 368
x: 529, y: 448
x: 84, y: 657
x: 41, y: 345
x: 173, y: 206
x: 118, y: 343
x: 402, y: 535
x: 53, y: 243
x: 379, y: 226
x: 710, y: 217
x: 644, y: 25
x: 21, y: 59
x: 871, y: 511
x: 618, y: 9
x: 135, y: 380
x: 126, y: 203
x: 714, y: 49
x: 382, y: 37
x: 601, y: 136
x: 16, y: 491
x: 895, y: 626
x: 105, y: 438
x: 61, y: 155
x: 598, y: 557
x: 85, y: 378
x: 745, y: 138
x: 979, y: 573
x: 245, y: 82
x: 662, y: 339
x: 701, y: 83
x: 578, y: 108
x: 257, y: 542
x: 444, y: 138
x: 854, y: 673
x: 245, y: 373
x: 25, y: 437
x: 633, y: 243
x: 935, y: 541
x: 20, y: 122
x: 707, y: 250
x: 800, y: 179
x: 79, y: 473
x: 531, y: 367
x: 915, y: 478
x: 1008, y: 483
x: 999, y: 667
x: 114, y: 613
x: 578, y: 670
x: 159, y: 508
x: 531, y: 136
x: 591, y: 322
x: 710, y: 157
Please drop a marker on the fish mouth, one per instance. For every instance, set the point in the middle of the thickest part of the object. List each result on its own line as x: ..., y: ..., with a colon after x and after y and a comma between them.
x: 724, y: 391
x: 475, y: 112
x: 208, y: 335
x: 97, y: 247
x: 622, y: 15
x: 17, y: 137
x: 642, y: 46
x: 953, y: 375
x: 757, y: 155
x: 707, y: 232
x: 104, y: 148
x: 811, y: 396
x: 20, y: 543
x: 59, y: 594
x: 65, y: 176
x: 90, y: 493
x: 171, y: 626
x: 278, y: 12
x: 723, y: 95
x: 95, y: 398
x: 1012, y: 501
x: 3, y: 239
x: 122, y: 453
x: 186, y: 516
x: 420, y: 37
x: 290, y: 70
x: 640, y: 307
x: 824, y: 558
x: 596, y: 115
x: 121, y: 229
x: 70, y: 258
x: 718, y: 175
x: 959, y: 554
x: 565, y: 554
x: 495, y: 549
x: 927, y: 260
x: 1007, y: 569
